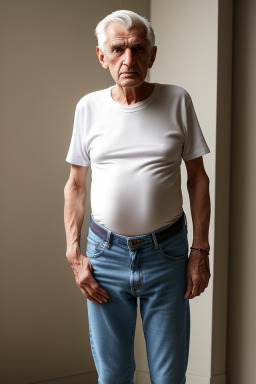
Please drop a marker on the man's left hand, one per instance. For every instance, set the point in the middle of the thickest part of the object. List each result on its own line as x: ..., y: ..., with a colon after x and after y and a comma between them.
x: 198, y: 274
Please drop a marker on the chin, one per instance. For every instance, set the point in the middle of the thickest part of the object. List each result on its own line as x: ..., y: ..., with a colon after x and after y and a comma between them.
x: 128, y: 83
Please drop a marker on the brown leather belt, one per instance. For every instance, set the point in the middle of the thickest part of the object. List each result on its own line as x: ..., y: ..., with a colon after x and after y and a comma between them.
x: 161, y: 234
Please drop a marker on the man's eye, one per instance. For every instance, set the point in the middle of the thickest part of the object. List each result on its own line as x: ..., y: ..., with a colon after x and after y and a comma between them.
x: 139, y: 48
x: 116, y: 49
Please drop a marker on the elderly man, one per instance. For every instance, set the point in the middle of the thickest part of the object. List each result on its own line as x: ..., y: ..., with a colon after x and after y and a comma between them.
x: 134, y: 135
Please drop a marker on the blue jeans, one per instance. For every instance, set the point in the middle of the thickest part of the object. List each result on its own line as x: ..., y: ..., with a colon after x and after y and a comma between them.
x: 156, y: 273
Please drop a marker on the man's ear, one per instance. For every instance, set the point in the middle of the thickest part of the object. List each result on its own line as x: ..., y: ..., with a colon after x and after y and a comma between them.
x: 153, y: 56
x: 101, y: 57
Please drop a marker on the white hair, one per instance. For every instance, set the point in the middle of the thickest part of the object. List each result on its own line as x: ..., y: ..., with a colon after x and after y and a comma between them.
x: 128, y: 19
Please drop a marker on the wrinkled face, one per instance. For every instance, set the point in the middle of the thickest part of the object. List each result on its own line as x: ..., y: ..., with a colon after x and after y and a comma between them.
x: 127, y: 54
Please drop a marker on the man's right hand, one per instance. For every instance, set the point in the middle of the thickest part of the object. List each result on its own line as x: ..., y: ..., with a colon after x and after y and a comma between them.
x: 82, y: 268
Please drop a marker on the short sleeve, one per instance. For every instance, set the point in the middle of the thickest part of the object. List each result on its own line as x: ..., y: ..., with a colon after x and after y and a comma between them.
x: 77, y: 153
x: 194, y: 143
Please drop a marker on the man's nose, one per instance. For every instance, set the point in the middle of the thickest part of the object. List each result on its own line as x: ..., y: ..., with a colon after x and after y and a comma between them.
x: 128, y: 58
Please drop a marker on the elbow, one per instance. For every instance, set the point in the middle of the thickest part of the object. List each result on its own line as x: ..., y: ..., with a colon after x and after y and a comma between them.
x: 69, y: 187
x: 65, y: 187
x: 66, y: 190
x: 206, y: 179
x: 201, y: 178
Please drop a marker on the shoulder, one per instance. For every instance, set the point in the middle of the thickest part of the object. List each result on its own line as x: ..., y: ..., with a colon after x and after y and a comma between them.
x: 92, y: 98
x: 175, y: 92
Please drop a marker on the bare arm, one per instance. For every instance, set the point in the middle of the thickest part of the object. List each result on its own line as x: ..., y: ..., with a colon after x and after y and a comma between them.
x: 198, y: 189
x: 198, y: 270
x: 74, y: 198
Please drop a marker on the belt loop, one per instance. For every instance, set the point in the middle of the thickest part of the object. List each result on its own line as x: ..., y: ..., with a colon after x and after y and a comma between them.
x: 108, y: 238
x: 155, y: 240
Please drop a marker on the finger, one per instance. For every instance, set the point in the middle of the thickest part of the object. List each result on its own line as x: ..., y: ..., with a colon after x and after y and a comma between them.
x: 89, y: 280
x: 200, y: 289
x: 94, y: 294
x: 206, y: 284
x: 98, y: 289
x: 189, y: 288
x: 194, y: 292
x: 89, y: 297
x: 101, y: 298
x: 88, y: 291
x: 206, y: 281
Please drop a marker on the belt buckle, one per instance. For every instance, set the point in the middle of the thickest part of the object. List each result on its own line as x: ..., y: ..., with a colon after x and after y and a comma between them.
x: 134, y: 242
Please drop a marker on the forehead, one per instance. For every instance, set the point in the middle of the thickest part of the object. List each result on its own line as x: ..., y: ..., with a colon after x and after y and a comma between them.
x: 116, y: 32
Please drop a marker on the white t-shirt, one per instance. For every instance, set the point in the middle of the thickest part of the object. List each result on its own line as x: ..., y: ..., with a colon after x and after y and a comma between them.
x: 135, y: 154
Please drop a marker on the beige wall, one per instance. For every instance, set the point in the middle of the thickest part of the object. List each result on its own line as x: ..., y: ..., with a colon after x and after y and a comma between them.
x: 241, y: 365
x: 48, y: 62
x: 46, y: 69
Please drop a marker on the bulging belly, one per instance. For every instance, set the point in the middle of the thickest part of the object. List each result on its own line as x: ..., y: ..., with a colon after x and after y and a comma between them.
x: 133, y: 202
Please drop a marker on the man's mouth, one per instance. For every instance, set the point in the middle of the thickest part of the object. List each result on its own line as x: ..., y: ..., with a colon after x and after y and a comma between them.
x: 128, y: 73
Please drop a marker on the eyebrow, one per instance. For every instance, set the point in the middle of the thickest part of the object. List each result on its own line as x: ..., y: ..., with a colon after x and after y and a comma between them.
x: 118, y: 45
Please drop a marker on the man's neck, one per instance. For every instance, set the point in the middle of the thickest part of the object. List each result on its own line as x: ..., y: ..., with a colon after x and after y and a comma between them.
x: 132, y: 95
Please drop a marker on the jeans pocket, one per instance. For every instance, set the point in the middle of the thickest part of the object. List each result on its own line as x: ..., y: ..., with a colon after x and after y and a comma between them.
x: 95, y: 245
x: 175, y: 247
